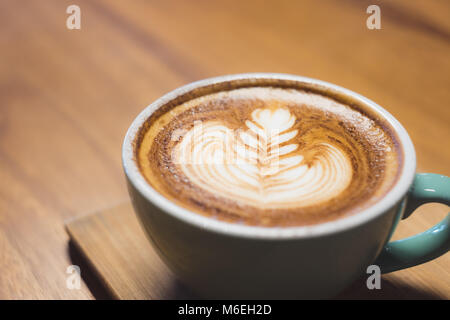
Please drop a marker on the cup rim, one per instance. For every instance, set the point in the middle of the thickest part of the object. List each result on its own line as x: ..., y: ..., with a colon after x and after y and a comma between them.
x: 394, y: 195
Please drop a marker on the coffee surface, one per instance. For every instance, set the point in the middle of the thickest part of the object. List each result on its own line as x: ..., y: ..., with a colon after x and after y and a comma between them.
x: 268, y: 156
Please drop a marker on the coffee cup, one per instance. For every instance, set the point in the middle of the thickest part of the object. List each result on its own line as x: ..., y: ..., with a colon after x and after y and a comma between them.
x: 219, y: 259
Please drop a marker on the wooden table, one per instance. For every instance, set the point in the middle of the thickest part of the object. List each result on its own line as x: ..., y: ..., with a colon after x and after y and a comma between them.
x: 68, y: 96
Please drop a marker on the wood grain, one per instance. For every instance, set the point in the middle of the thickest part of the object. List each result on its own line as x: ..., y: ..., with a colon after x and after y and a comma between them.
x: 68, y: 96
x: 116, y: 247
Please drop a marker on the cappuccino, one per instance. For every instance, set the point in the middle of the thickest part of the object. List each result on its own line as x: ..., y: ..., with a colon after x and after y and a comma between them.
x: 268, y: 156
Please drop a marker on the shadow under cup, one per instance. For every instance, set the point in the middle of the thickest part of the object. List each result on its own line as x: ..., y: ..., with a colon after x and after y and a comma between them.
x: 224, y: 260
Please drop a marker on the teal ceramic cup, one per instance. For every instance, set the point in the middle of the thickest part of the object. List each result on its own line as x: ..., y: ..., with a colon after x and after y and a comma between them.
x: 223, y: 260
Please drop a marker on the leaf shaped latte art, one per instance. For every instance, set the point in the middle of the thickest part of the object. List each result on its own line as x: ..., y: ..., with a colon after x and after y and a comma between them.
x: 259, y: 166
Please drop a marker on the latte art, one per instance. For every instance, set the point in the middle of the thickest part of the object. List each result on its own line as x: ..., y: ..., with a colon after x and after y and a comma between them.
x: 267, y: 156
x: 251, y: 167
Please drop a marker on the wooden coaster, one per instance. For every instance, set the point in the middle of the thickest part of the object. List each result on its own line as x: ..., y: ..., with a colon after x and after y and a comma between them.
x: 115, y: 246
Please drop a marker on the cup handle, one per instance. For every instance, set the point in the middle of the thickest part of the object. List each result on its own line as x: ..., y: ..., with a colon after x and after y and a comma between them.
x: 425, y: 246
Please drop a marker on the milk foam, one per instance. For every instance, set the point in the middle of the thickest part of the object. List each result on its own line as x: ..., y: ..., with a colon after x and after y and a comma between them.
x: 268, y: 156
x: 259, y: 167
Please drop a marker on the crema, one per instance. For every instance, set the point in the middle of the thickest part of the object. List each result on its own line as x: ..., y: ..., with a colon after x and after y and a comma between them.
x: 268, y: 156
